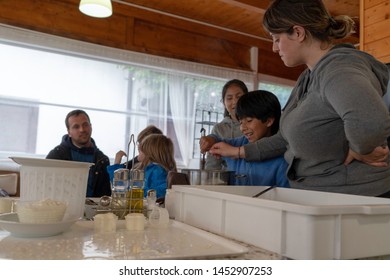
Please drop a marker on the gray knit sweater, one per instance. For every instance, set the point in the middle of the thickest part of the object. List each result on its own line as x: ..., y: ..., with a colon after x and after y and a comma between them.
x: 336, y: 106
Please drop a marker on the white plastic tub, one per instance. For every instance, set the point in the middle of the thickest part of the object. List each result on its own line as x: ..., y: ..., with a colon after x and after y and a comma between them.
x: 54, y: 179
x: 296, y: 224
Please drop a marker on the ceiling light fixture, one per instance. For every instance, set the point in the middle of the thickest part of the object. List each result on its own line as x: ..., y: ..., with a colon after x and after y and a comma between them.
x: 96, y: 8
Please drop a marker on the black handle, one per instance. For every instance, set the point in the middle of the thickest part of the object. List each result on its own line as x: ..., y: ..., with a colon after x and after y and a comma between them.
x: 264, y: 191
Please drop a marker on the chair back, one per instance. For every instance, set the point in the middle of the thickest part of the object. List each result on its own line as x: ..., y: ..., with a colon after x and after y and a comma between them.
x: 177, y: 178
x: 9, y: 183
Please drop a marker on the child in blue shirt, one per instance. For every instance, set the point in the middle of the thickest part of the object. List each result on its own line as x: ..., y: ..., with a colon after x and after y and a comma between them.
x: 259, y: 114
x: 150, y: 129
x: 156, y: 158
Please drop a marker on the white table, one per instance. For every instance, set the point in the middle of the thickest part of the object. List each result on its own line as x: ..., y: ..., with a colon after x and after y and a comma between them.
x: 80, y: 241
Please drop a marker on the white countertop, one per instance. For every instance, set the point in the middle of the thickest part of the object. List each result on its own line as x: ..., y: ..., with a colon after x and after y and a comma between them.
x: 80, y: 241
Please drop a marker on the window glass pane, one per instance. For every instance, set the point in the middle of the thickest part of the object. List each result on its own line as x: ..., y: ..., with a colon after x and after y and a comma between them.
x: 61, y: 79
x: 39, y: 88
x: 281, y: 91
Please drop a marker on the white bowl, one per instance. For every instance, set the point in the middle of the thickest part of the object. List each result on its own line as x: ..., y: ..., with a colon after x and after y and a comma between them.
x: 40, y: 212
x: 10, y: 222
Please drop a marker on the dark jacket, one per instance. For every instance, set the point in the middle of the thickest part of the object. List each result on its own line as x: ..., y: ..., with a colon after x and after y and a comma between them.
x: 98, y: 172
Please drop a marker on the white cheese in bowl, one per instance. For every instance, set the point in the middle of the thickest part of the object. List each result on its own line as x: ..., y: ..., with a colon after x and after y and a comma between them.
x: 41, y: 212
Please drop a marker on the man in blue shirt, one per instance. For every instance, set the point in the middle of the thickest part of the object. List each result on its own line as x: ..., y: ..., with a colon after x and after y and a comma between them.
x: 78, y: 145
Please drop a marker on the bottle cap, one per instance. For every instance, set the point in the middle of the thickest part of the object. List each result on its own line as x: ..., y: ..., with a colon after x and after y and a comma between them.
x: 152, y: 194
x: 137, y: 175
x: 122, y: 174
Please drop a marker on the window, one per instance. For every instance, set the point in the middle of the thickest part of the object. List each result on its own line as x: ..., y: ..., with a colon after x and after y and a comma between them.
x: 281, y: 91
x: 18, y: 126
x: 44, y: 77
x: 40, y: 88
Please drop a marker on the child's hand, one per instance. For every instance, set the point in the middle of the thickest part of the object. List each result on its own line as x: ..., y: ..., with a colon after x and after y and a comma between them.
x: 222, y: 149
x: 205, y: 143
x: 118, y: 157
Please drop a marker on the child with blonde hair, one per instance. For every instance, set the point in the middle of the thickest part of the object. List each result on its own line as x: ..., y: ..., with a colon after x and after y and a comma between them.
x: 156, y: 157
x: 150, y: 129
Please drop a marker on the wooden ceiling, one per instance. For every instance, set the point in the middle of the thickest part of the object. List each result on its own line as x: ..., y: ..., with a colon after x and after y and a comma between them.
x: 226, y: 33
x: 240, y: 16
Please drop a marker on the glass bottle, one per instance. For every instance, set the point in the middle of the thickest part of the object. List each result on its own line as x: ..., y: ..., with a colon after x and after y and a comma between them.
x: 120, y: 188
x: 151, y: 201
x: 136, y: 191
x: 159, y: 217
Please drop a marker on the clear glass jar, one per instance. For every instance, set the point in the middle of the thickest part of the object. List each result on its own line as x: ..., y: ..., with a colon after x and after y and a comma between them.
x: 120, y: 189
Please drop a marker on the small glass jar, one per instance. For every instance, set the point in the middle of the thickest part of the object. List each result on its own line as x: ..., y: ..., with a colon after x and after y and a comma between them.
x: 159, y: 218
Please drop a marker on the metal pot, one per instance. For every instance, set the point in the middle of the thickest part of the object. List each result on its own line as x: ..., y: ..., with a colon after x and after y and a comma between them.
x: 209, y: 177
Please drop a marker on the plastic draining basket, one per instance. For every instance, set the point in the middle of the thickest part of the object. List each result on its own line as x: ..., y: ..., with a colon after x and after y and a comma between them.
x: 54, y: 179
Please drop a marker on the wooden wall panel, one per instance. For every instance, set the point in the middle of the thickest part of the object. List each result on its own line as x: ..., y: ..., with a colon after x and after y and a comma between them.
x: 377, y: 31
x: 156, y: 39
x: 60, y: 18
x: 193, y: 27
x: 375, y: 35
x: 377, y: 13
x: 385, y: 59
x: 380, y: 49
x: 371, y: 3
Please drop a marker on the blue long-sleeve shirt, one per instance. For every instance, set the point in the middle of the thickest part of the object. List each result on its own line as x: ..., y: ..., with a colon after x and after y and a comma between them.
x: 270, y: 172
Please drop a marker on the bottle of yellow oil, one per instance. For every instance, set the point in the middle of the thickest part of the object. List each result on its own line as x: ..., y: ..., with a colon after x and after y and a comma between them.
x: 136, y: 191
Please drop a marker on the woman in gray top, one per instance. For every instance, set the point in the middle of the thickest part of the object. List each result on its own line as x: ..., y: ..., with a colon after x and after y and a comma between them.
x: 229, y: 127
x: 335, y: 121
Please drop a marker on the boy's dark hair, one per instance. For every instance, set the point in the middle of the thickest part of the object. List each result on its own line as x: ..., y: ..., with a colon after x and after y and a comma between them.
x: 259, y: 104
x: 75, y: 113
